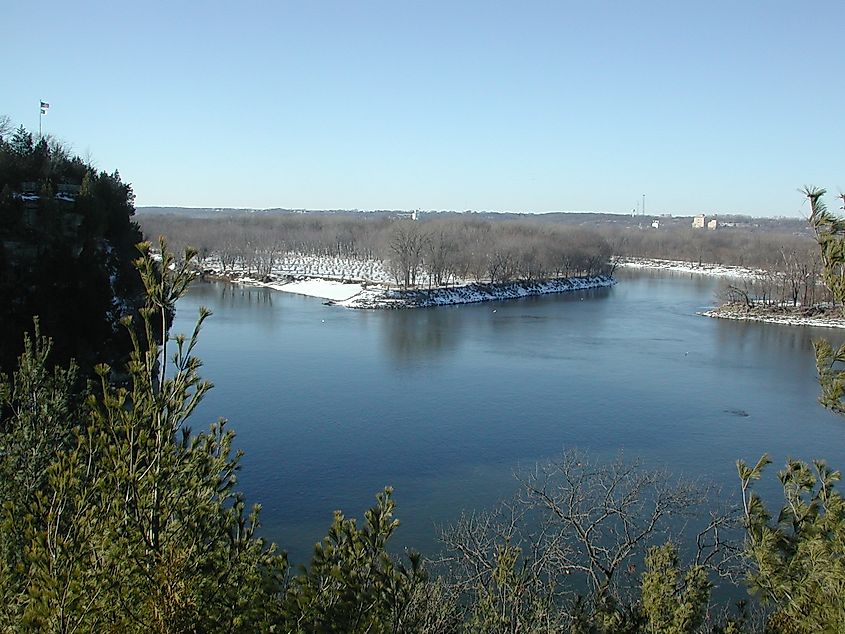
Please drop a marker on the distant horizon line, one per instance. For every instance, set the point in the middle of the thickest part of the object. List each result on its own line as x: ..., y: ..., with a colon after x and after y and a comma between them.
x: 471, y: 211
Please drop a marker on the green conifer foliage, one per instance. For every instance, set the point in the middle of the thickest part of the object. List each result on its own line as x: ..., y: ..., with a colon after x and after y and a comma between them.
x: 513, y: 599
x: 672, y: 605
x: 798, y: 559
x: 672, y: 601
x: 137, y: 526
x: 830, y: 235
x: 66, y: 248
x: 117, y: 518
x: 353, y: 584
x: 38, y: 415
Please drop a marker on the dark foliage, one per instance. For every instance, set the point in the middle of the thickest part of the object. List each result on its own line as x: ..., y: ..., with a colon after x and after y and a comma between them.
x: 66, y: 246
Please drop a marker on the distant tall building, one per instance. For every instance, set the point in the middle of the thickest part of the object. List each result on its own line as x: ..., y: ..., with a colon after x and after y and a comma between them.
x: 698, y: 221
x: 713, y: 224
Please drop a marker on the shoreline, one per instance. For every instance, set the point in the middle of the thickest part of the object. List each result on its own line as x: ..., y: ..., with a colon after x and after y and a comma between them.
x: 784, y: 316
x: 816, y: 317
x: 362, y: 295
x: 471, y: 293
x: 681, y: 266
x: 350, y: 292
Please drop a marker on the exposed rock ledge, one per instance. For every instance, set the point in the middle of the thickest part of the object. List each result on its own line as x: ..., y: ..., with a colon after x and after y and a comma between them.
x: 469, y: 294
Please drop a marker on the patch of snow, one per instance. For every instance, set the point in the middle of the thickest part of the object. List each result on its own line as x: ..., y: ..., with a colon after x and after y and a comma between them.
x: 358, y: 283
x: 325, y: 289
x: 678, y: 266
x: 718, y: 270
x: 360, y: 295
x: 788, y: 320
x: 470, y: 294
x: 305, y: 265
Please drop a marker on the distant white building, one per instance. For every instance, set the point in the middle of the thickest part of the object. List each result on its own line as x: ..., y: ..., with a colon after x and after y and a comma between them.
x: 698, y: 221
x: 713, y: 224
x: 655, y: 224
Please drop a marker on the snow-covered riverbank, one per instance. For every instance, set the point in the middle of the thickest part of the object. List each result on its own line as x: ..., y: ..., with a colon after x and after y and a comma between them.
x: 354, y: 283
x: 357, y: 294
x: 470, y: 293
x: 763, y: 314
x: 678, y: 266
x: 777, y: 315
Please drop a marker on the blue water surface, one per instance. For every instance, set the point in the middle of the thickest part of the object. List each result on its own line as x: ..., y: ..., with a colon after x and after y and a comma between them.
x: 444, y: 404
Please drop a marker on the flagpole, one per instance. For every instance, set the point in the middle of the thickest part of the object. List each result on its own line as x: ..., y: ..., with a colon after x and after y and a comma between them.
x: 42, y: 110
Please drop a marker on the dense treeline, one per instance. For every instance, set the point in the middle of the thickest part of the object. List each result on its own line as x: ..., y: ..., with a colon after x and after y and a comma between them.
x: 366, y: 235
x: 66, y: 245
x: 731, y: 246
x: 439, y: 250
x: 432, y: 252
x: 788, y: 263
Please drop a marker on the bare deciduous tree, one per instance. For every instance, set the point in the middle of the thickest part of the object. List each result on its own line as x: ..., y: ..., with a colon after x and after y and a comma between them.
x: 584, y: 526
x: 406, y: 245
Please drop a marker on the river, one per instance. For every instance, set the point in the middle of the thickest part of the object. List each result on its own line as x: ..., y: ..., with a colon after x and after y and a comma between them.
x: 444, y: 404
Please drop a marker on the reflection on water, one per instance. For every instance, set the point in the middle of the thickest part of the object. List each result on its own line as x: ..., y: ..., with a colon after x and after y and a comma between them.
x: 788, y: 339
x: 410, y: 335
x: 232, y: 296
x: 654, y: 278
x: 413, y: 334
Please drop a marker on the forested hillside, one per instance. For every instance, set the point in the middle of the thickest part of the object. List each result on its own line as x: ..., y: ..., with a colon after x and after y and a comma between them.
x: 438, y: 248
x: 435, y: 251
x: 66, y: 244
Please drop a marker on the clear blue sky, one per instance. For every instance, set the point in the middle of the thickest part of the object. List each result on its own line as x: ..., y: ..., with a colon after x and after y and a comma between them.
x: 717, y: 106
